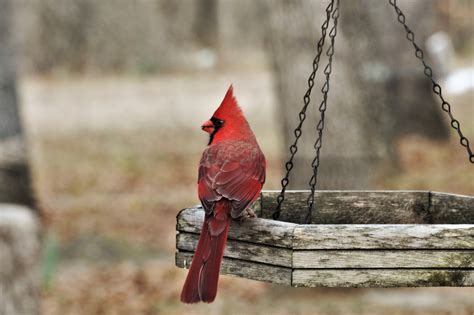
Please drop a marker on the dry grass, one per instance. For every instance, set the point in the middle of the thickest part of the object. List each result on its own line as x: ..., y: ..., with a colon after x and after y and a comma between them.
x: 112, y: 196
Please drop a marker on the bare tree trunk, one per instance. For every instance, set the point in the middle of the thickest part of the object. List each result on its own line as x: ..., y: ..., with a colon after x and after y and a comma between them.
x: 384, y: 66
x: 62, y: 33
x: 14, y: 172
x: 19, y: 226
x: 206, y: 22
x: 364, y: 113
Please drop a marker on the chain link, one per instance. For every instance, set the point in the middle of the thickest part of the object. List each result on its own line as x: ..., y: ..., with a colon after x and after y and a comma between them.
x: 302, y: 115
x: 322, y: 109
x: 445, y: 106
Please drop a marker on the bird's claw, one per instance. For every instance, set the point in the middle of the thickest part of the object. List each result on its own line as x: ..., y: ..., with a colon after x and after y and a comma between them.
x: 248, y: 214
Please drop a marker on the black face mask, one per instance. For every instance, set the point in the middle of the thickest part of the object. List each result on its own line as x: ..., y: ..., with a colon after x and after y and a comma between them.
x: 217, y: 125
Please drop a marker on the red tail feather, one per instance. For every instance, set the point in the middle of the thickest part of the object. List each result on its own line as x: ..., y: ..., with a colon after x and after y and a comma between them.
x: 201, y: 282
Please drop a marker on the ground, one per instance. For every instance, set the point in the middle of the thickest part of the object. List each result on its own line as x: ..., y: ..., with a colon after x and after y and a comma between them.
x: 115, y: 159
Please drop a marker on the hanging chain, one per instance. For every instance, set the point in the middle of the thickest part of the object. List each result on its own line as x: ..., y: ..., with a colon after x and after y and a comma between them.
x: 445, y: 106
x: 302, y: 115
x: 322, y: 109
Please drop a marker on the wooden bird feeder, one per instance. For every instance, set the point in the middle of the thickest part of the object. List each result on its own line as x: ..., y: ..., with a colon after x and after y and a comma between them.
x: 357, y: 239
x: 352, y: 238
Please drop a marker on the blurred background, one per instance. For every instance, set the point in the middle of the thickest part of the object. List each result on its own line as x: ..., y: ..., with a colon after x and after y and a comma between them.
x: 100, y: 112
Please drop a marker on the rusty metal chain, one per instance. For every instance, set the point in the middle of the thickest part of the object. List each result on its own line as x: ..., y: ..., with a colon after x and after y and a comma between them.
x: 302, y: 115
x: 445, y: 106
x: 322, y: 109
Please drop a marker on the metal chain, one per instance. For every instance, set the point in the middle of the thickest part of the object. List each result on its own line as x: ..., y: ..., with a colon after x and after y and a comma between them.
x: 445, y: 106
x: 322, y: 109
x: 302, y: 115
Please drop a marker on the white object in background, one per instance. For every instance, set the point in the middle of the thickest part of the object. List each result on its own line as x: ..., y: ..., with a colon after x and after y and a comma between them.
x: 460, y: 81
x: 441, y: 50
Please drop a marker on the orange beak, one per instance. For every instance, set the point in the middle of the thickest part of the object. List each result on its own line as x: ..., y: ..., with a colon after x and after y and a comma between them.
x: 208, y: 126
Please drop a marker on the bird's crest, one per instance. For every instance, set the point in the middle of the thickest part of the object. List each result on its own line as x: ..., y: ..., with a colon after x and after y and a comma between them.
x: 229, y: 106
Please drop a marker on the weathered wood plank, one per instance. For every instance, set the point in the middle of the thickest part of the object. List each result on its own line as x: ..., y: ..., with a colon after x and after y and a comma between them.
x: 261, y: 231
x: 451, y: 208
x: 245, y: 269
x: 382, y: 236
x: 332, y: 259
x: 382, y: 278
x: 351, y: 207
x: 242, y: 250
x: 371, y: 207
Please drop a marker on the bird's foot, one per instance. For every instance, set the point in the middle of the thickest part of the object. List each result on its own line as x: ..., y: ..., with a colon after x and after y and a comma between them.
x: 248, y: 214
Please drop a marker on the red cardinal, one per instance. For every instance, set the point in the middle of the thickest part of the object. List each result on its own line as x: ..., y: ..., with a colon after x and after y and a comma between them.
x: 231, y: 176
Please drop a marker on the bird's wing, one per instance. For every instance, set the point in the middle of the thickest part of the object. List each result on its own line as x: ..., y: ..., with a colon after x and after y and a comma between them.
x: 233, y: 171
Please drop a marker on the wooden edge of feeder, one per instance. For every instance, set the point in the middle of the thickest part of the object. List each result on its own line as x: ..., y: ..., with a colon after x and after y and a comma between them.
x: 371, y: 207
x: 355, y: 192
x: 245, y: 269
x: 384, y: 236
x: 382, y: 259
x: 338, y: 236
x: 336, y: 258
x: 446, y: 207
x: 262, y: 231
x: 242, y: 250
x: 383, y: 278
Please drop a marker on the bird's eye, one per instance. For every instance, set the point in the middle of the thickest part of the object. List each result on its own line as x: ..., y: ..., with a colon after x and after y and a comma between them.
x: 217, y: 122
